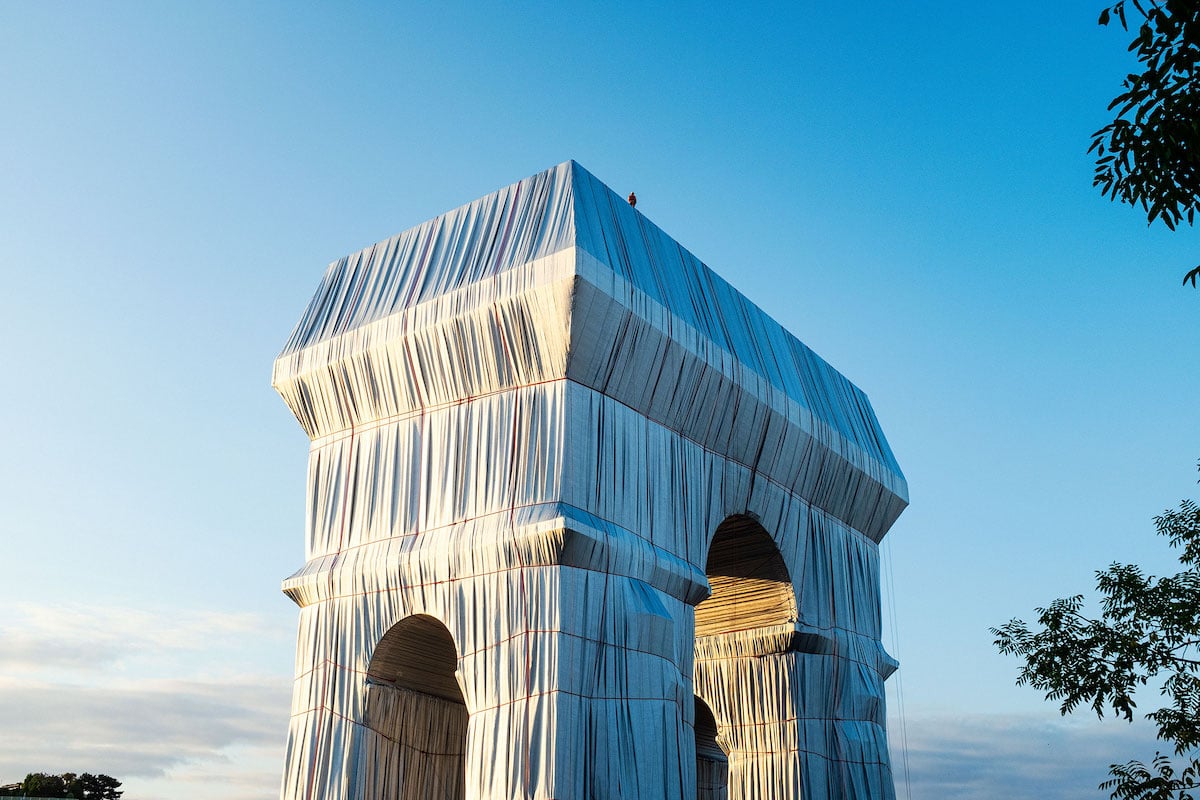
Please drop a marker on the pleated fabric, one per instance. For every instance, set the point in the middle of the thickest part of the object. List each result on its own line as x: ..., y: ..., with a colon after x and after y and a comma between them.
x: 529, y: 418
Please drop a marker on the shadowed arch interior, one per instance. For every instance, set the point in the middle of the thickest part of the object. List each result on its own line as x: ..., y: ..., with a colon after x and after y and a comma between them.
x: 415, y: 707
x: 750, y: 583
x: 418, y: 654
x: 712, y: 765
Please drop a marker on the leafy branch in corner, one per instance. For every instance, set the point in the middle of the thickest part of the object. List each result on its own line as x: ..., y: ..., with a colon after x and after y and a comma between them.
x: 1149, y: 155
x: 1148, y: 629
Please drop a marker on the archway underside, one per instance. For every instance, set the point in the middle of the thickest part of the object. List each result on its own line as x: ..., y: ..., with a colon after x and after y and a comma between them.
x: 749, y: 580
x: 415, y: 711
x: 712, y: 765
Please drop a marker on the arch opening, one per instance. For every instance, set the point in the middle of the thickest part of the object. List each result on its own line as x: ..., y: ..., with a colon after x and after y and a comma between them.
x: 750, y: 584
x: 415, y: 712
x: 712, y: 765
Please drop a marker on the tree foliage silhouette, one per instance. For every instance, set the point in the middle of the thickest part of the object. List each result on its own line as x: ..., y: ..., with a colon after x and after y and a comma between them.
x: 1148, y: 630
x: 80, y: 787
x: 1149, y: 155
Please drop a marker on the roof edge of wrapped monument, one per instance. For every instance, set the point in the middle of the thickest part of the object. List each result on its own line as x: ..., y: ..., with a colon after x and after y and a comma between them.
x: 556, y: 276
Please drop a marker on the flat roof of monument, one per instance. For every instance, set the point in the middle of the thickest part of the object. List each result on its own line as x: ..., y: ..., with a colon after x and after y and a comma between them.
x: 557, y: 209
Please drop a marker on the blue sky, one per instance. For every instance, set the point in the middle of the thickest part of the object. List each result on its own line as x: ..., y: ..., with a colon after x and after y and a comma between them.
x: 906, y: 188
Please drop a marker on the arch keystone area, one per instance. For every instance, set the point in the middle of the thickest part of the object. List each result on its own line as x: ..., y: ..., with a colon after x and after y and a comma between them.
x: 529, y: 420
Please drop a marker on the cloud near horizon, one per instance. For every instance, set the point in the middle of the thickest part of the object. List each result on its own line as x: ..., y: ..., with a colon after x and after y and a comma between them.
x: 136, y: 731
x: 1014, y: 756
x: 42, y: 638
x: 157, y: 699
x: 171, y: 704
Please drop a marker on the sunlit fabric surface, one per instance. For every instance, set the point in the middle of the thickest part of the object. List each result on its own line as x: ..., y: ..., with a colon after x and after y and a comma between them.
x: 542, y: 432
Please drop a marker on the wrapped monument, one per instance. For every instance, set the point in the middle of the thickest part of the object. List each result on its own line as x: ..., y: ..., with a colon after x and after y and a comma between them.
x: 582, y: 522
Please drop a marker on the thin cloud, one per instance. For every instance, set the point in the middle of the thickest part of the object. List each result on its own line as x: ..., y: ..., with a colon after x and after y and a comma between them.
x: 131, y: 731
x: 1015, y: 756
x: 38, y: 638
x: 155, y: 698
x: 260, y: 780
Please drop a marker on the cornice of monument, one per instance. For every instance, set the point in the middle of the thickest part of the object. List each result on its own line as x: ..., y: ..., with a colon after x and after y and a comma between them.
x: 369, y: 362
